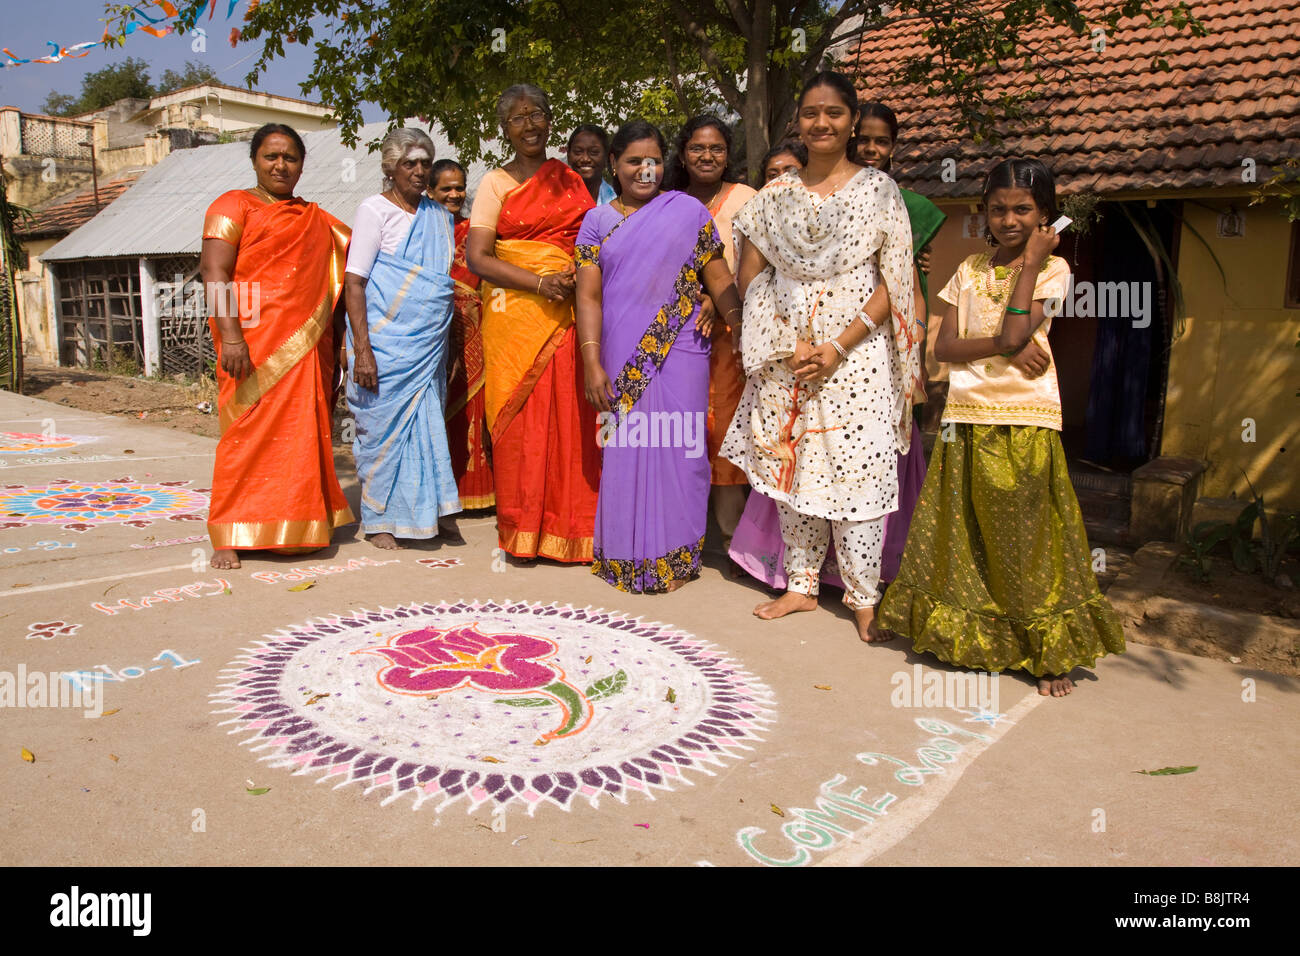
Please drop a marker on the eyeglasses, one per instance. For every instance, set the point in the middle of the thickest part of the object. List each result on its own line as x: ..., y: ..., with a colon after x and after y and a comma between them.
x: 536, y: 117
x: 699, y: 149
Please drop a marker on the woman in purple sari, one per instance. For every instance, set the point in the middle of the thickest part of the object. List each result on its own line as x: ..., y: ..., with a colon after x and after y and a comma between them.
x: 644, y: 260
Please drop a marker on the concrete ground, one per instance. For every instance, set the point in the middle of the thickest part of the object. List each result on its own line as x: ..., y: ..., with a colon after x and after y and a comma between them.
x: 245, y: 719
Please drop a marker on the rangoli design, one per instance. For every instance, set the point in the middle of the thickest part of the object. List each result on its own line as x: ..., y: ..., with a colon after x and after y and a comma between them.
x: 80, y: 506
x: 504, y: 705
x: 34, y: 443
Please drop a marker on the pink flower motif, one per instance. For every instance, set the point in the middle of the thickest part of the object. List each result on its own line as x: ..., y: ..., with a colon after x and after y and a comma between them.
x: 432, y: 661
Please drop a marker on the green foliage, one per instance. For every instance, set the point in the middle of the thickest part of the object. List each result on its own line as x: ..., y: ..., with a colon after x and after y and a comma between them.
x: 1283, y: 186
x: 1200, y: 541
x: 120, y: 361
x: 102, y: 87
x: 1276, y: 535
x: 193, y: 74
x: 12, y: 218
x: 1082, y: 209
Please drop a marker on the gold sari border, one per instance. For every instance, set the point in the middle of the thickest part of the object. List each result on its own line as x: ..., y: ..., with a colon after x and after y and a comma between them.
x: 475, y: 502
x: 292, y: 351
x: 217, y: 226
x: 530, y: 544
x: 258, y: 535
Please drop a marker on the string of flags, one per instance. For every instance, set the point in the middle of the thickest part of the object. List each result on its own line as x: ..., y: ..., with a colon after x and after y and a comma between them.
x: 153, y: 25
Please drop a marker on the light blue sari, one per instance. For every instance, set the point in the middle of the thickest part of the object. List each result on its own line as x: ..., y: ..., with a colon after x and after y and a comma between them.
x: 401, y: 442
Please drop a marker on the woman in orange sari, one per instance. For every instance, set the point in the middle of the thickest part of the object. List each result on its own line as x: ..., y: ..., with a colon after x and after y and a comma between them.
x: 273, y: 265
x: 467, y: 435
x: 545, y: 463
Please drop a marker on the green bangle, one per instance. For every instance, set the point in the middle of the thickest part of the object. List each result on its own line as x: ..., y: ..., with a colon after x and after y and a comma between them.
x: 1016, y: 311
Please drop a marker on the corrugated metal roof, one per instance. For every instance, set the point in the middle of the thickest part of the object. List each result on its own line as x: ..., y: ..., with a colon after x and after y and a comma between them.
x: 162, y: 214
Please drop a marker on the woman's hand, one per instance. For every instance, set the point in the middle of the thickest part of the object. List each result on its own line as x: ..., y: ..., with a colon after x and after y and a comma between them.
x: 1042, y: 242
x: 821, y: 364
x: 802, y: 350
x: 364, y: 370
x: 707, y: 318
x: 599, y: 390
x: 923, y: 259
x: 235, y: 361
x: 557, y: 286
x: 1031, y: 360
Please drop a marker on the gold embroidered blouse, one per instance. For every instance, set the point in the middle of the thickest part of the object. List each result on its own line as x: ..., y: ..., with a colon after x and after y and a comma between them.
x: 991, y: 391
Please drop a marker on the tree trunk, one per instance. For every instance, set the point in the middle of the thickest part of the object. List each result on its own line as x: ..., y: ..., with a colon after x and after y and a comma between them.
x: 757, y: 111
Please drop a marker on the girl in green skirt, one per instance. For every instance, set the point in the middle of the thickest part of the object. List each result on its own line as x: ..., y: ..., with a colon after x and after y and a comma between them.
x: 996, y: 574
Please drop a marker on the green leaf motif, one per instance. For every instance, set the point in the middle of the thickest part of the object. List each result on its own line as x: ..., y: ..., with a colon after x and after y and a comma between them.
x: 1166, y: 771
x: 607, y: 686
x: 525, y: 701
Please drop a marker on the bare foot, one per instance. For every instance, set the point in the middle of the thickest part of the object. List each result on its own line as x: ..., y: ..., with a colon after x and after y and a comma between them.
x: 869, y: 630
x: 675, y: 585
x: 790, y: 602
x: 385, y: 541
x: 447, y: 528
x: 225, y: 559
x: 1055, y: 686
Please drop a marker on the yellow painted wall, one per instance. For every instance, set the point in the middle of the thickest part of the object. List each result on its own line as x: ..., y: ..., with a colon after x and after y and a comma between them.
x: 1236, y: 358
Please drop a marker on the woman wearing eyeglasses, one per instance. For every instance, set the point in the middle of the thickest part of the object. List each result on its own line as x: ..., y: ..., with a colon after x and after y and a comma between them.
x: 545, y: 464
x: 701, y: 167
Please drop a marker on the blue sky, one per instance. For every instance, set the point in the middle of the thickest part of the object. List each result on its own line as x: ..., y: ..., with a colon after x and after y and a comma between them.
x: 26, y: 26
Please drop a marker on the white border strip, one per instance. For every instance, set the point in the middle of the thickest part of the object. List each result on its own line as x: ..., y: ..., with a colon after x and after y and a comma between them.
x: 889, y: 830
x: 17, y: 592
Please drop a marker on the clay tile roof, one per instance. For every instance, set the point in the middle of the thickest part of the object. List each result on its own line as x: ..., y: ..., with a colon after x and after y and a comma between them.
x: 1111, y: 122
x: 63, y: 214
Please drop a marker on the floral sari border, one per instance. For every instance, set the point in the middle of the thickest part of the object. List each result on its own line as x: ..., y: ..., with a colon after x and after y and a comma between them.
x: 653, y: 575
x: 652, y: 350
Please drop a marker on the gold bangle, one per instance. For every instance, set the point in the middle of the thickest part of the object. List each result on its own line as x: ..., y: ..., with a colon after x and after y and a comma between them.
x: 729, y: 311
x: 539, y: 284
x: 240, y: 342
x: 595, y: 342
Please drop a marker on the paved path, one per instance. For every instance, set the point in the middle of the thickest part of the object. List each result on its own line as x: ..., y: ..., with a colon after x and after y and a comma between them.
x: 440, y: 705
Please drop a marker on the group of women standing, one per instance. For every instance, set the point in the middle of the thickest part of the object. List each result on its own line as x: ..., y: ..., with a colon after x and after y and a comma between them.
x: 551, y: 355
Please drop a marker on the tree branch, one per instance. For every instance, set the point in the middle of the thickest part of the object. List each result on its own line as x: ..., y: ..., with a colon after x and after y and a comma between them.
x: 741, y: 16
x: 726, y: 82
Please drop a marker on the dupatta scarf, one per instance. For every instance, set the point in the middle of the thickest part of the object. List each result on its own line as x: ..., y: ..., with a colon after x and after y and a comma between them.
x: 401, y: 446
x: 830, y: 242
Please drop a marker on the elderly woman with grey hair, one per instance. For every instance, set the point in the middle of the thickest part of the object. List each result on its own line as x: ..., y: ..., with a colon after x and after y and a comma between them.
x: 545, y: 463
x: 398, y: 292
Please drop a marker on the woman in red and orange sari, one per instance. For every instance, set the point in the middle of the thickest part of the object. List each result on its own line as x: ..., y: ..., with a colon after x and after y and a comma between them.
x: 272, y: 266
x: 545, y: 463
x: 467, y: 434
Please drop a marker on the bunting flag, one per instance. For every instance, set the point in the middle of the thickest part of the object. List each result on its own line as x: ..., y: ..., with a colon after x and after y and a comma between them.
x: 153, y: 25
